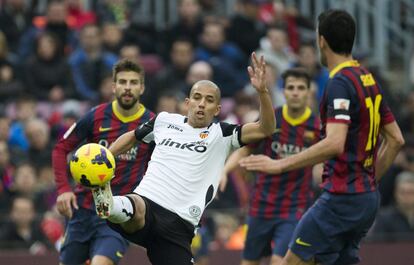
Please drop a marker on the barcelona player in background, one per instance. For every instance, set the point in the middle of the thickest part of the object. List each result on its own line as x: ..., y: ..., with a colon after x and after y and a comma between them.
x: 88, y: 237
x: 360, y: 141
x: 279, y: 201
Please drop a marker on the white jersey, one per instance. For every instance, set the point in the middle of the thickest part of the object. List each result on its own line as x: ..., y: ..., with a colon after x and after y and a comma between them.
x: 185, y: 168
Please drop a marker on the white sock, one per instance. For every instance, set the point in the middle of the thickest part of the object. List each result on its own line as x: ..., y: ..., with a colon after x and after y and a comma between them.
x: 122, y: 210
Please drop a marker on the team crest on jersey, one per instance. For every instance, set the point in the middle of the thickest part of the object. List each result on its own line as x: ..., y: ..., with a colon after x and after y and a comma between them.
x: 204, y: 134
x: 309, y: 135
x: 194, y: 211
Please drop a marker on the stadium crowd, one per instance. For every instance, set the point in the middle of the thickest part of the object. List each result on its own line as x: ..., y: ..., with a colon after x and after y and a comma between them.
x: 56, y: 63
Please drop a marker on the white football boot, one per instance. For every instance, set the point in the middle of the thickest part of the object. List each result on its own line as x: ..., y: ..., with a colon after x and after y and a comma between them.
x: 103, y: 200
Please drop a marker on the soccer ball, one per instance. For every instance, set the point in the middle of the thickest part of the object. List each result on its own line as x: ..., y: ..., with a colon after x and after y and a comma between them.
x: 92, y: 165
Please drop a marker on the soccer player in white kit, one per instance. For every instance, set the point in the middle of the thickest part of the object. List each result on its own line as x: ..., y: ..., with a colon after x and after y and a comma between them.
x: 184, y: 171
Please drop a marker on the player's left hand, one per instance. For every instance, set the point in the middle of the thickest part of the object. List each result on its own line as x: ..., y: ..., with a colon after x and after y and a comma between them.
x: 261, y: 163
x: 257, y: 73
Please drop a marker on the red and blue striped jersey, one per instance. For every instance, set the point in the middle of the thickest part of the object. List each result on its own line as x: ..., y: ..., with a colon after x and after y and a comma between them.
x: 353, y: 97
x: 289, y: 194
x: 103, y: 125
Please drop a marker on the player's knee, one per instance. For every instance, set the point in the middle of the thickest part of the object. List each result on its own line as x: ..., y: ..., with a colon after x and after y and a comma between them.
x: 250, y: 262
x: 138, y: 220
x: 101, y: 260
x: 276, y: 260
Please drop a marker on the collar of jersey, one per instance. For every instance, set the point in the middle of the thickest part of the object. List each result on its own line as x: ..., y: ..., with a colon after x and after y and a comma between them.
x: 298, y: 120
x: 126, y: 119
x: 339, y: 67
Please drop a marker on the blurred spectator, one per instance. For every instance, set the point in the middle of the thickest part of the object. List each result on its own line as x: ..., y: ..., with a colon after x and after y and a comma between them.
x: 112, y: 37
x: 152, y: 64
x: 47, y: 74
x: 15, y: 17
x: 167, y: 102
x: 61, y: 120
x: 23, y: 183
x: 272, y: 82
x: 397, y: 221
x: 245, y: 106
x: 25, y: 108
x: 113, y: 11
x: 198, y: 71
x: 298, y: 27
x: 55, y: 21
x: 227, y: 226
x: 308, y: 59
x: 6, y: 171
x: 407, y: 114
x: 6, y: 56
x: 212, y: 9
x: 226, y: 59
x: 40, y: 147
x: 90, y: 64
x: 172, y: 77
x: 143, y: 34
x: 10, y: 86
x: 189, y: 25
x: 77, y: 17
x: 245, y: 29
x: 275, y: 48
x: 23, y: 231
x: 106, y: 93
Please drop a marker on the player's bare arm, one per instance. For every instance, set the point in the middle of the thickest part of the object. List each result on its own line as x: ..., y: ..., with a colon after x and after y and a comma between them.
x: 392, y: 142
x: 232, y: 163
x: 123, y: 143
x: 329, y: 147
x: 264, y: 127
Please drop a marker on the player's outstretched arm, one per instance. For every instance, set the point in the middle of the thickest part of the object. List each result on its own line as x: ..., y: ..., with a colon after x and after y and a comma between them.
x: 333, y: 144
x: 232, y: 163
x: 392, y: 142
x: 123, y: 143
x: 252, y: 132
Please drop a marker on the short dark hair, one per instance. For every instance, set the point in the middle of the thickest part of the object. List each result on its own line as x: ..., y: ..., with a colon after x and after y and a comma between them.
x: 128, y: 66
x: 338, y: 28
x: 297, y: 73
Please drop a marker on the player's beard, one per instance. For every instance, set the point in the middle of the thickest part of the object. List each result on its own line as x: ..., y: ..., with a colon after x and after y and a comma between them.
x: 127, y: 105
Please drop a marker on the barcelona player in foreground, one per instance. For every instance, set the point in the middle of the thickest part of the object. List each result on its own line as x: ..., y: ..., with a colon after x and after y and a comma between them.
x: 360, y: 141
x: 87, y: 237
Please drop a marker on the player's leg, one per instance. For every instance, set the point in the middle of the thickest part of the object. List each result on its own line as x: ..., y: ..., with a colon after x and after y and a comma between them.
x: 128, y: 211
x: 108, y: 246
x: 276, y: 260
x: 101, y: 260
x: 258, y: 240
x: 293, y: 259
x: 74, y: 247
x: 281, y: 238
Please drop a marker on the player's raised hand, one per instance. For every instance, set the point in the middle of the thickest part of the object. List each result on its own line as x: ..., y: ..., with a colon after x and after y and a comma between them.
x: 257, y: 73
x: 261, y: 163
x: 65, y: 202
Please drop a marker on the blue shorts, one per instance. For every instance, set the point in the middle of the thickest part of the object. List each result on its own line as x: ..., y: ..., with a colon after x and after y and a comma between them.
x: 86, y: 236
x: 262, y: 232
x: 331, y: 230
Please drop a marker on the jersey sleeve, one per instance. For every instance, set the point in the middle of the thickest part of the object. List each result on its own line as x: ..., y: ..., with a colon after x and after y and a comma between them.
x: 77, y: 133
x: 233, y: 131
x: 145, y: 132
x: 386, y: 114
x: 339, y: 101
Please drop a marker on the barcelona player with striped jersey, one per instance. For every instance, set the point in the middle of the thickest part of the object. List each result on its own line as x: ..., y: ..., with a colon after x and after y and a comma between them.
x: 360, y: 141
x: 279, y: 201
x: 87, y: 236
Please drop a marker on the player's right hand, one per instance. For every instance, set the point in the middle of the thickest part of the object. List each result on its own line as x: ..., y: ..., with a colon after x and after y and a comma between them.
x: 65, y: 202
